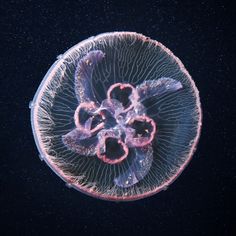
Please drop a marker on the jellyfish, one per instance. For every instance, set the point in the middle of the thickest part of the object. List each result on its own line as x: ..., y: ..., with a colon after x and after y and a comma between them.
x: 117, y: 117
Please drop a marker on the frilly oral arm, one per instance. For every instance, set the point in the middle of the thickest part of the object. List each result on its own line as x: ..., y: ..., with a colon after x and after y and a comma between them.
x: 81, y: 142
x: 83, y: 76
x: 163, y: 85
x: 141, y: 163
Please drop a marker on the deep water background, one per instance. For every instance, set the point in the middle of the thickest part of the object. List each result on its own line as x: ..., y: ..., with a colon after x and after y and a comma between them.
x: 34, y: 201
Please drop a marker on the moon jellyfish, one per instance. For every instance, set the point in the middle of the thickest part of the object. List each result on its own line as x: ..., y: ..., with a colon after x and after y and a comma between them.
x: 117, y: 117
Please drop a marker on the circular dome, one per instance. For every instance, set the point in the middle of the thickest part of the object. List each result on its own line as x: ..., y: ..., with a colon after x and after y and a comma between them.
x: 117, y: 117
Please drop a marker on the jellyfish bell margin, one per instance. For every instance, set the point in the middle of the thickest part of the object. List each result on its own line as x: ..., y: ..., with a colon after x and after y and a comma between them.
x: 117, y: 117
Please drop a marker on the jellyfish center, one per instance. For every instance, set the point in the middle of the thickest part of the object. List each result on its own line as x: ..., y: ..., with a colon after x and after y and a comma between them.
x: 115, y: 126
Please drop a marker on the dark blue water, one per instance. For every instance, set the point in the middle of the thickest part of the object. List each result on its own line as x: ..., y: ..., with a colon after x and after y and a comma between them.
x: 35, y: 201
